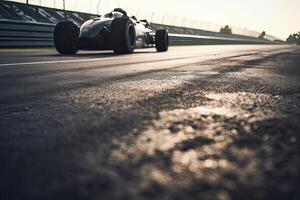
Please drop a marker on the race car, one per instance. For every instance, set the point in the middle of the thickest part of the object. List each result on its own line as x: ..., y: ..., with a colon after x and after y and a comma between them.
x: 114, y: 31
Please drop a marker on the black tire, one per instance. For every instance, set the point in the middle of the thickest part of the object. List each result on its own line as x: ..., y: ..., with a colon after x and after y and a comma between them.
x: 66, y: 36
x: 123, y: 36
x: 162, y: 40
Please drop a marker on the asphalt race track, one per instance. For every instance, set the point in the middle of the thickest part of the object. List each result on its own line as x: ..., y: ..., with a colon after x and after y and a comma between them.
x: 201, y: 122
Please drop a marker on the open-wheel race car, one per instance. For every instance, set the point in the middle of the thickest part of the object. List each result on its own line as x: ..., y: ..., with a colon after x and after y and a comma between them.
x: 113, y: 31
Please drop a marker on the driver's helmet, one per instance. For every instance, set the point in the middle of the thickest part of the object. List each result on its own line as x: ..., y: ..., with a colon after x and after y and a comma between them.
x: 120, y: 10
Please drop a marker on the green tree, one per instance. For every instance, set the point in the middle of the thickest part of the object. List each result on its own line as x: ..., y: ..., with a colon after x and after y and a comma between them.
x: 226, y: 30
x: 294, y: 38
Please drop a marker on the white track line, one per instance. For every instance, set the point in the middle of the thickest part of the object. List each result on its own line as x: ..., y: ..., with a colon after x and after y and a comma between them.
x: 82, y: 60
x: 65, y: 61
x: 51, y: 62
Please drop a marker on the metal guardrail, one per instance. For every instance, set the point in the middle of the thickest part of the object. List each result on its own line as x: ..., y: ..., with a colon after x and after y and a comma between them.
x: 183, y: 39
x: 27, y: 34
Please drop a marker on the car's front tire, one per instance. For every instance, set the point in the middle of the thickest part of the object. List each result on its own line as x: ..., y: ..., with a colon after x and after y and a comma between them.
x: 66, y: 36
x: 123, y: 35
x: 162, y: 40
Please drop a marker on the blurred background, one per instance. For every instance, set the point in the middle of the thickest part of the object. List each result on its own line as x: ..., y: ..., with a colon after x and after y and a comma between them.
x: 190, y: 14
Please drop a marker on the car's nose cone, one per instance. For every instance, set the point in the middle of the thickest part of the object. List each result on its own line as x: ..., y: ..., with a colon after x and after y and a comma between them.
x: 93, y: 28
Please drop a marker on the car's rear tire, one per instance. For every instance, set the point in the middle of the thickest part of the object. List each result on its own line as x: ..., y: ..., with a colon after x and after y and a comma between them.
x: 123, y: 36
x: 162, y: 40
x: 66, y: 36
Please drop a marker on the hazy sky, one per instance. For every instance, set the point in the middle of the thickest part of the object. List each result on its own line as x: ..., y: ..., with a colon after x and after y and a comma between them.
x: 276, y: 17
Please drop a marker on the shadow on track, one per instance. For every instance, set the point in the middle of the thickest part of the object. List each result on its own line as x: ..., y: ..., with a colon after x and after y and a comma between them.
x: 95, y: 54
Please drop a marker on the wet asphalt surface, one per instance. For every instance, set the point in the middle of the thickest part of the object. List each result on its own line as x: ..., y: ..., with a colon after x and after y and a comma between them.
x: 202, y: 122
